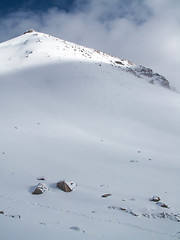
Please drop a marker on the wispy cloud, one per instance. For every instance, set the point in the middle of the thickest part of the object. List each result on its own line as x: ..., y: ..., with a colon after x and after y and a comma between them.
x: 146, y: 32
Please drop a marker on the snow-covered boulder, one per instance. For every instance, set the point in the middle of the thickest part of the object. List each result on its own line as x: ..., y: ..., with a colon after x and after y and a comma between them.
x: 40, y: 188
x: 66, y: 187
x: 155, y: 199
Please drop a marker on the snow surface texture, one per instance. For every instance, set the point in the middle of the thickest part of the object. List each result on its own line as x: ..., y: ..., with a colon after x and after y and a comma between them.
x: 76, y: 114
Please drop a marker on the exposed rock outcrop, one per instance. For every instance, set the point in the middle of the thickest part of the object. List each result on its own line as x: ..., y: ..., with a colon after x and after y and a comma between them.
x: 29, y: 31
x: 148, y: 73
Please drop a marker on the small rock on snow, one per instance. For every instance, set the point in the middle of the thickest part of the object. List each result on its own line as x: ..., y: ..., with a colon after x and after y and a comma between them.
x: 106, y: 195
x: 41, y: 178
x: 162, y: 205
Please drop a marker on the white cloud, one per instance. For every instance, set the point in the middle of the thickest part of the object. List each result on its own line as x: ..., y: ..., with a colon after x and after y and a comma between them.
x: 145, y: 32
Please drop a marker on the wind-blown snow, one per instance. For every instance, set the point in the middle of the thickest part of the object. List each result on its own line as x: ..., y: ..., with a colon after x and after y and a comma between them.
x: 73, y: 113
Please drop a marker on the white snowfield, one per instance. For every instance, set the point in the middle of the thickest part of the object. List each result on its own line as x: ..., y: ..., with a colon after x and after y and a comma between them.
x: 72, y: 113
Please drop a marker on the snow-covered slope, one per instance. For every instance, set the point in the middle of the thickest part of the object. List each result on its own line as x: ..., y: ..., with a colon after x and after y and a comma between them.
x: 36, y: 48
x: 76, y: 114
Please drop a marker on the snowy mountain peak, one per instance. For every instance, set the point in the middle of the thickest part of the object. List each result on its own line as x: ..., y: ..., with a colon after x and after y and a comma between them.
x: 89, y: 150
x: 35, y: 48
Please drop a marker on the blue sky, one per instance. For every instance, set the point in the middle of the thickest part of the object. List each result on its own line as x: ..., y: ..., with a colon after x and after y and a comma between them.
x: 143, y: 31
x: 9, y: 6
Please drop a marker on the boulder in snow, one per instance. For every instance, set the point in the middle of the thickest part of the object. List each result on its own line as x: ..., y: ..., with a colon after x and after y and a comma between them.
x: 39, y: 189
x: 64, y: 186
x: 155, y: 199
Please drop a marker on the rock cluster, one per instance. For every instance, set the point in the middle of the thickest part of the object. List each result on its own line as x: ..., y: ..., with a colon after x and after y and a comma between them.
x: 64, y: 186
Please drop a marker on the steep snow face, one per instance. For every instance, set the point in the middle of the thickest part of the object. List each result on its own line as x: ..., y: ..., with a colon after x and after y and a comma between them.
x: 91, y: 122
x: 38, y: 48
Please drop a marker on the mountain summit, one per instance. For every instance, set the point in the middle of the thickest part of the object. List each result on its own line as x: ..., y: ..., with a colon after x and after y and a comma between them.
x: 38, y: 48
x: 89, y: 145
